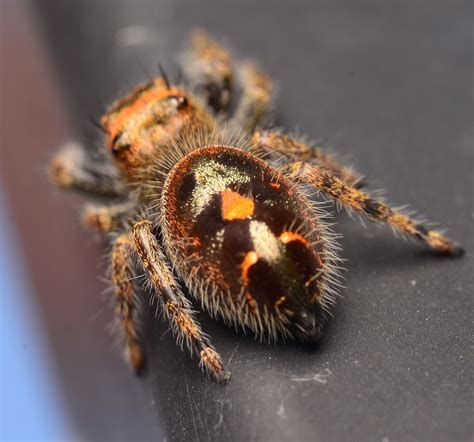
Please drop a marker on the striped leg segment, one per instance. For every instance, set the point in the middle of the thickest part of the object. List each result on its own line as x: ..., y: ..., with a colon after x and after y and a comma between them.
x: 126, y: 302
x: 176, y: 306
x: 298, y: 151
x: 71, y: 168
x: 256, y: 98
x: 208, y: 65
x: 106, y: 219
x: 362, y: 203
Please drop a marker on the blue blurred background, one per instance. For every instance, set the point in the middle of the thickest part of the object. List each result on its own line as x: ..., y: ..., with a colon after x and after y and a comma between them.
x: 32, y: 405
x: 61, y: 377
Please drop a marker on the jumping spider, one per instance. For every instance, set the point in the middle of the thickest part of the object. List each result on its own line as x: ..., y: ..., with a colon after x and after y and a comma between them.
x: 231, y: 217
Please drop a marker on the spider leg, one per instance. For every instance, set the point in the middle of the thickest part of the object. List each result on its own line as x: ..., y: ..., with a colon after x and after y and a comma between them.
x: 126, y: 302
x: 295, y: 150
x: 360, y: 202
x: 176, y: 306
x: 106, y: 219
x: 208, y: 66
x: 71, y: 168
x: 257, y: 88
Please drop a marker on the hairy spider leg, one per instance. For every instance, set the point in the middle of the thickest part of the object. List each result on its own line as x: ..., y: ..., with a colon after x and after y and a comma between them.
x: 126, y: 300
x: 106, y: 219
x: 209, y: 69
x: 212, y: 74
x: 71, y: 168
x: 296, y: 150
x: 361, y: 203
x: 257, y: 89
x: 176, y: 306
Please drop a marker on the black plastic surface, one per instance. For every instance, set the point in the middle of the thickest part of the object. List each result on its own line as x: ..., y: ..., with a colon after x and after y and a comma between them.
x: 390, y: 85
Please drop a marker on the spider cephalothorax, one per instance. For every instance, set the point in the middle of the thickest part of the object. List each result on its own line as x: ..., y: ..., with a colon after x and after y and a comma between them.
x: 231, y: 212
x: 144, y: 121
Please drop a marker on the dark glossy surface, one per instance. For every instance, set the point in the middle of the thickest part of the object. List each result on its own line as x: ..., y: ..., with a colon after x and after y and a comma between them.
x: 389, y: 84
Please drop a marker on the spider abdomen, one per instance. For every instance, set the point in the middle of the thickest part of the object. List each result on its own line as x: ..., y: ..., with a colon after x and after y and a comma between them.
x: 245, y: 241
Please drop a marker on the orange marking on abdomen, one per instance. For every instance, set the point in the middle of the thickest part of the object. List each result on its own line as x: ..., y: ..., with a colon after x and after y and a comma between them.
x: 280, y: 301
x: 287, y: 237
x: 236, y: 206
x: 250, y: 259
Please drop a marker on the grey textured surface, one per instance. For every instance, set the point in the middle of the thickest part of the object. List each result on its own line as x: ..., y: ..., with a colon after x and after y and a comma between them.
x: 390, y: 85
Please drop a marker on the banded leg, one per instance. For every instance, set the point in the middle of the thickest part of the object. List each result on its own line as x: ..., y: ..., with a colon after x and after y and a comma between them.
x: 257, y: 88
x: 208, y: 66
x: 176, y: 306
x: 374, y: 210
x: 106, y: 219
x: 298, y: 151
x: 72, y: 169
x: 126, y: 302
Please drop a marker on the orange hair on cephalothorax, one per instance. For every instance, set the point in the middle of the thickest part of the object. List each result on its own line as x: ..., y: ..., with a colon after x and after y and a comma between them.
x: 152, y: 114
x: 153, y: 91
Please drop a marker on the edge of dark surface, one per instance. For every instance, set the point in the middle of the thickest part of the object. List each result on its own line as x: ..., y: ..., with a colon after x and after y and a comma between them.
x: 206, y: 403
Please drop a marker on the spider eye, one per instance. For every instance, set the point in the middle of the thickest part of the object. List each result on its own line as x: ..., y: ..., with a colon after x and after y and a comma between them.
x: 117, y: 146
x: 117, y: 149
x: 181, y: 101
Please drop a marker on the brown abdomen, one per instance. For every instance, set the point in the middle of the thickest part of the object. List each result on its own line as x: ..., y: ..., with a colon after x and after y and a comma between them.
x: 242, y: 237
